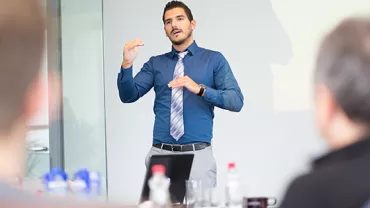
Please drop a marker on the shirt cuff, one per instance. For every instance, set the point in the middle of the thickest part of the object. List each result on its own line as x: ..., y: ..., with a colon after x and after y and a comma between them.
x: 125, y: 74
x: 210, y: 94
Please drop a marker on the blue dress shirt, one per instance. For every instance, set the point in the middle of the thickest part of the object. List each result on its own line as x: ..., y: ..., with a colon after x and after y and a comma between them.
x: 201, y: 65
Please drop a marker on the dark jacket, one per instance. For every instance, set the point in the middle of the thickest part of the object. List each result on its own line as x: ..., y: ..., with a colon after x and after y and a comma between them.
x: 340, y: 179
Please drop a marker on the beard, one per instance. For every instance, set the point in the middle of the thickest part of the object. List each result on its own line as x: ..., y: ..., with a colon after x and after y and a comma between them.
x: 182, y: 41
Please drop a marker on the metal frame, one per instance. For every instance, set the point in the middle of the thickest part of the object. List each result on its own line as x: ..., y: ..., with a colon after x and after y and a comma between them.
x: 105, y: 104
x: 54, y: 46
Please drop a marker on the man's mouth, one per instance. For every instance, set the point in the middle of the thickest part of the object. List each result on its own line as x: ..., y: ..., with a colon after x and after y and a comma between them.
x: 176, y: 32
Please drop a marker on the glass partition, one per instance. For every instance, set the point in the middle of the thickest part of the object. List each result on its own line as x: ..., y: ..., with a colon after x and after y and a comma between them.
x: 83, y: 86
x: 75, y: 137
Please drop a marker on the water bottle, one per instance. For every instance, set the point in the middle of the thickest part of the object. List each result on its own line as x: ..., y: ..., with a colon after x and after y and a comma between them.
x: 81, y: 184
x: 55, y: 182
x: 159, y: 187
x: 234, y: 197
x: 95, y: 184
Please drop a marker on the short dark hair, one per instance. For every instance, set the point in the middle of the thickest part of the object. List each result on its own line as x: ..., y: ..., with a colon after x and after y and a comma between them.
x: 22, y: 32
x: 178, y: 4
x: 343, y: 65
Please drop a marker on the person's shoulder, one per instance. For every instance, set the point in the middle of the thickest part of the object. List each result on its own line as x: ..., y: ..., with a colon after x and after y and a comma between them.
x: 160, y: 57
x: 303, y: 190
x: 319, y: 179
x: 304, y: 182
x: 354, y: 169
x: 13, y: 197
x: 209, y: 51
x: 212, y: 54
x: 329, y: 180
x: 8, y: 193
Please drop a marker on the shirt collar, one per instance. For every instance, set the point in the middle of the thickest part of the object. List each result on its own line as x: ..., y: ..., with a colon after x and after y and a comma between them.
x: 192, y: 49
x: 350, y: 152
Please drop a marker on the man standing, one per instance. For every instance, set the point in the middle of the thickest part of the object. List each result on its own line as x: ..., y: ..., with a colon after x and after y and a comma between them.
x: 341, y: 178
x: 189, y: 82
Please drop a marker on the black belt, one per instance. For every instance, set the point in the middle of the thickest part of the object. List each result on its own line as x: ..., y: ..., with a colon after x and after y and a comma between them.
x: 183, y: 147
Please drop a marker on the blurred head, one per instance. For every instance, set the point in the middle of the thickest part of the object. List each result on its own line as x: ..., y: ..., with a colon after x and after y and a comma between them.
x: 22, y: 33
x: 342, y: 83
x: 23, y: 90
x: 178, y: 22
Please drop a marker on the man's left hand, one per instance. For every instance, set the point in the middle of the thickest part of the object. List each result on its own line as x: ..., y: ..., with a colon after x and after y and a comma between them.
x: 187, y: 82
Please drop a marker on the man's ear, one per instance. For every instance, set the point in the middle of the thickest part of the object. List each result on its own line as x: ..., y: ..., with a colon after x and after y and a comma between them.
x: 325, y: 106
x: 193, y: 24
x: 164, y: 29
x: 54, y: 92
x: 44, y: 92
x: 35, y: 97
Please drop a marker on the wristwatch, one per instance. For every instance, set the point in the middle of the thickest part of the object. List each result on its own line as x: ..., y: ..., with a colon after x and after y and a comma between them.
x: 202, y: 88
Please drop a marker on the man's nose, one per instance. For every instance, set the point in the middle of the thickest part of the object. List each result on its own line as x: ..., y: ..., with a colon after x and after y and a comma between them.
x: 174, y: 24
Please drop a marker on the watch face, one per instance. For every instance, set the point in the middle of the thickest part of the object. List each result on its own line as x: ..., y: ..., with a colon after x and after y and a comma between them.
x: 202, y: 87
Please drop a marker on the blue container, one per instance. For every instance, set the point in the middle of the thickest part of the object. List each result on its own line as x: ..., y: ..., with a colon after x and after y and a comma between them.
x: 55, y: 182
x: 81, y: 183
x: 95, y: 184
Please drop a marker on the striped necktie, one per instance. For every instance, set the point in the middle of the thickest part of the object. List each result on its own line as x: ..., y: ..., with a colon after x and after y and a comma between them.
x: 177, y: 120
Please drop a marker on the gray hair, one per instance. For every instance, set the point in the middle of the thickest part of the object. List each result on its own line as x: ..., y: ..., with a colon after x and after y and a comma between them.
x: 343, y: 65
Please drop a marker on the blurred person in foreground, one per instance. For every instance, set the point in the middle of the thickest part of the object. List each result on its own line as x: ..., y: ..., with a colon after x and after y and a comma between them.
x: 22, y: 94
x: 341, y: 178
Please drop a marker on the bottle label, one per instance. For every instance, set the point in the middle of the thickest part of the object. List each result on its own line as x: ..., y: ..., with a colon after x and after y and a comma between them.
x: 57, y: 184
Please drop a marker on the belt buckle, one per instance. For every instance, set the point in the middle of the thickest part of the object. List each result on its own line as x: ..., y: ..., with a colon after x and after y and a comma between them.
x: 176, y: 148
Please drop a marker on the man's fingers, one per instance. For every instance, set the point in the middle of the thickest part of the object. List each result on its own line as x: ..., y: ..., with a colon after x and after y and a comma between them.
x: 134, y: 44
x: 177, y: 83
x: 174, y: 81
x: 139, y: 42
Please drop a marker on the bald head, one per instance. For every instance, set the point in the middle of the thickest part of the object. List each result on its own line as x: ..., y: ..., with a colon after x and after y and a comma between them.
x: 22, y: 31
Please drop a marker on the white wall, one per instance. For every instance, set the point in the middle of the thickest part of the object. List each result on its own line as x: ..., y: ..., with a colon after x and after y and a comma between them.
x: 270, y: 47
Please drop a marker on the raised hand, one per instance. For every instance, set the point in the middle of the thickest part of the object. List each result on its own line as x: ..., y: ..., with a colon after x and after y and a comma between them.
x: 130, y: 52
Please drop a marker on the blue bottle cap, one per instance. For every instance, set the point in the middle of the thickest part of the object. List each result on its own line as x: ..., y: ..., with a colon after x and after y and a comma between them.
x: 57, y: 173
x: 83, y: 175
